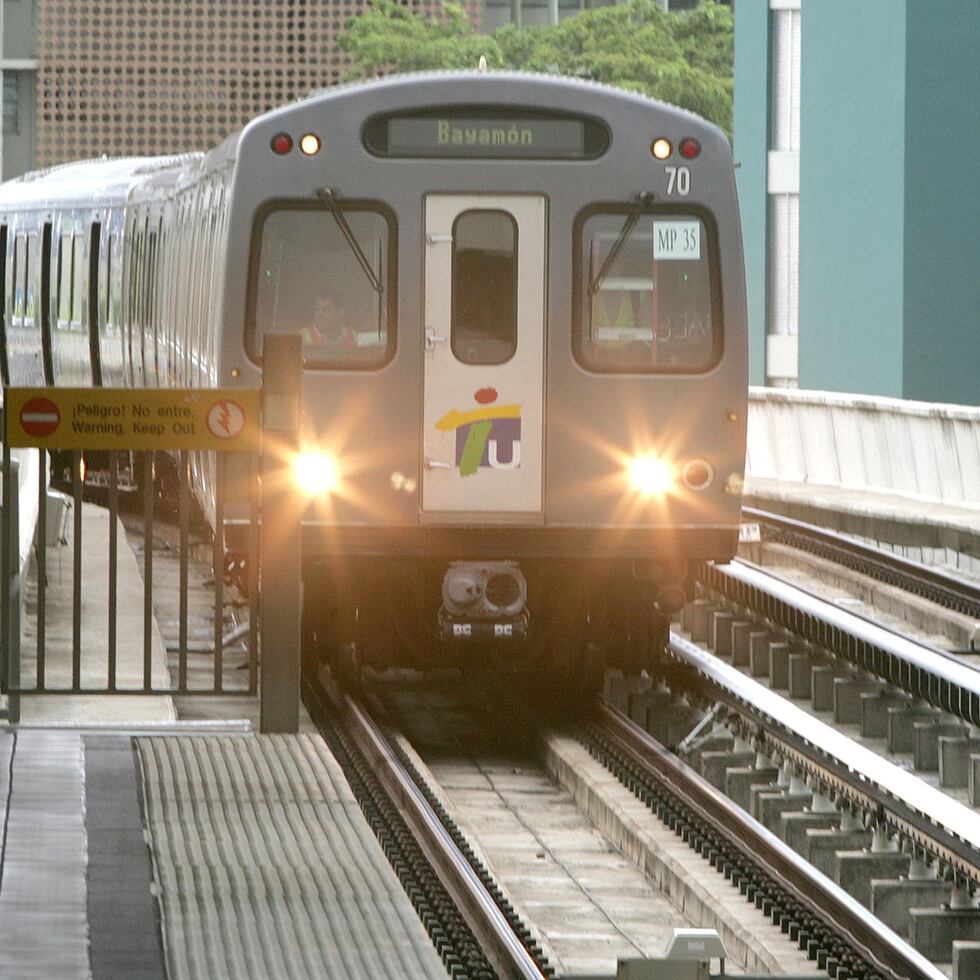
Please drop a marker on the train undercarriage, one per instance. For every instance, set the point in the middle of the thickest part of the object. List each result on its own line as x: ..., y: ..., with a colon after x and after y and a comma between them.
x: 569, y: 619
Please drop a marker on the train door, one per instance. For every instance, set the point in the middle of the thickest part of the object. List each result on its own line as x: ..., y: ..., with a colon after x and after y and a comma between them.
x: 483, y: 385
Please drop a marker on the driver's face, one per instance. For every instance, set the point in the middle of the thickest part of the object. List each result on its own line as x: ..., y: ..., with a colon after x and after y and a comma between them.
x: 326, y: 316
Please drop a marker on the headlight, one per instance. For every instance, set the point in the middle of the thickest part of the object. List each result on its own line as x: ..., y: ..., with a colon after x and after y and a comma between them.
x: 316, y: 473
x: 650, y: 475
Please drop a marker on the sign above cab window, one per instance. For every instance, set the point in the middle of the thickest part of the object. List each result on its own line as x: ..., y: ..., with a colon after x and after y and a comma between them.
x: 677, y: 240
x: 223, y: 420
x: 469, y: 132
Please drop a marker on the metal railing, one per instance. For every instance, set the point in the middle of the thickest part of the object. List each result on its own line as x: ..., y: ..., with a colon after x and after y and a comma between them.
x: 64, y: 665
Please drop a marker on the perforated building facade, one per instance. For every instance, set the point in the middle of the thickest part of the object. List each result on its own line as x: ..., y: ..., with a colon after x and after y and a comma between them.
x: 127, y: 77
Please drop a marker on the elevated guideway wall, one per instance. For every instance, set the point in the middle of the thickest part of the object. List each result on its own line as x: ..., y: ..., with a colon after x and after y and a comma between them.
x: 905, y: 473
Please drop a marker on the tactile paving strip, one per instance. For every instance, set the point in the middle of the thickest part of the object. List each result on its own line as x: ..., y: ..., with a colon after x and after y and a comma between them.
x: 267, y: 868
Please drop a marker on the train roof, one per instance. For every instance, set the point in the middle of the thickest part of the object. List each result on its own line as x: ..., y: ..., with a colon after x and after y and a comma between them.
x: 516, y: 81
x: 89, y: 183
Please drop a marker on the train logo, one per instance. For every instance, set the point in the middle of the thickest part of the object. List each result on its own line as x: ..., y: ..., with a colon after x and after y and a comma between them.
x: 486, y: 437
x: 226, y: 419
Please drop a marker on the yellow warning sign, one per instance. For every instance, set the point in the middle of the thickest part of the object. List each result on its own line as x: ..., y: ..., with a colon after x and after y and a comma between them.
x: 226, y: 420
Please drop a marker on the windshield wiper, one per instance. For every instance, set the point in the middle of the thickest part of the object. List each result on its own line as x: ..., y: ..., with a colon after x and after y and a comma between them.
x: 327, y: 195
x: 643, y: 201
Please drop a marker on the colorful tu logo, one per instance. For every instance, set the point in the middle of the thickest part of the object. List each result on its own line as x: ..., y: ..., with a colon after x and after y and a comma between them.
x: 489, y: 436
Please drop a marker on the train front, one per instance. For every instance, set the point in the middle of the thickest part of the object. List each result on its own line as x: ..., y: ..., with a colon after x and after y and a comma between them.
x: 523, y: 317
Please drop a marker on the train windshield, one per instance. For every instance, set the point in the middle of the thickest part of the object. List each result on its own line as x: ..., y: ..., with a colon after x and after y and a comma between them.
x: 324, y: 273
x: 646, y: 293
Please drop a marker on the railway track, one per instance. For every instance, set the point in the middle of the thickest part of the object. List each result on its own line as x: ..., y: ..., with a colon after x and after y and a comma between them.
x: 472, y: 919
x: 935, y: 584
x: 827, y: 929
x: 860, y: 732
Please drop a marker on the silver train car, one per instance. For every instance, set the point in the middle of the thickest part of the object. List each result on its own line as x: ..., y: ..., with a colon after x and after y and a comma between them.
x: 522, y: 305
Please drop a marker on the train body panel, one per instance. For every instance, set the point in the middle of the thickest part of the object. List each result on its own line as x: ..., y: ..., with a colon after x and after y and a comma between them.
x: 523, y: 308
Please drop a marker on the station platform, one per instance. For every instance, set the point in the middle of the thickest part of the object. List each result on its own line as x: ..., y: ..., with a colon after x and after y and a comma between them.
x: 252, y: 847
x: 151, y: 837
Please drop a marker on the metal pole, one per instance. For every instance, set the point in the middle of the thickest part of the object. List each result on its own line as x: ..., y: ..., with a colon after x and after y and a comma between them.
x: 10, y: 635
x: 280, y: 548
x: 13, y: 601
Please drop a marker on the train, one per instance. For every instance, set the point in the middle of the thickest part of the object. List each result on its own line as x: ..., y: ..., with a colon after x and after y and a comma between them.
x: 522, y: 306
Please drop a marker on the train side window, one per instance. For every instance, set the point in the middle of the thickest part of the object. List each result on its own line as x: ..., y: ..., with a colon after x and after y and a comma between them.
x: 4, y: 364
x: 20, y: 276
x: 648, y: 295
x: 63, y: 298
x: 329, y: 274
x: 95, y: 235
x: 484, y: 287
x: 77, y: 282
x: 47, y: 346
x: 31, y: 318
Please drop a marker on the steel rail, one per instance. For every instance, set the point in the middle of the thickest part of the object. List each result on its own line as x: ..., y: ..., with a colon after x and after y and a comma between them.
x: 809, y: 887
x: 934, y: 821
x: 501, y: 946
x: 940, y: 678
x: 934, y: 584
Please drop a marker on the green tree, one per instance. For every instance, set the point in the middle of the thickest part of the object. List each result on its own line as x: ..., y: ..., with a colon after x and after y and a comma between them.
x: 684, y: 58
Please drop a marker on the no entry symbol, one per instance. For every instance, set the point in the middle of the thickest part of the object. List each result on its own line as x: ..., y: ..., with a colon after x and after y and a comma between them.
x: 39, y: 417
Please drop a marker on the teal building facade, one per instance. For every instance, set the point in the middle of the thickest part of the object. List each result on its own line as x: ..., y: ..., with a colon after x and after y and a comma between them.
x: 872, y: 282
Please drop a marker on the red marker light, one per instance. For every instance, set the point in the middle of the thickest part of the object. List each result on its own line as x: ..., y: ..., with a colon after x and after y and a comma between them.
x: 282, y: 143
x: 690, y: 148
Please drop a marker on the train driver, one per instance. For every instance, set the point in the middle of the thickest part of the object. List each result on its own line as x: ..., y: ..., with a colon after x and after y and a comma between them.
x: 327, y: 327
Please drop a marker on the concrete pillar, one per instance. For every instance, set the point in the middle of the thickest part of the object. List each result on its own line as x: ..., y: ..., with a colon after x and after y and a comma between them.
x: 741, y: 633
x: 779, y: 665
x: 720, y: 632
x: 700, y: 619
x: 740, y: 781
x: 800, y: 674
x: 874, y: 711
x: 955, y: 754
x: 822, y: 846
x: 853, y: 870
x: 847, y: 697
x: 715, y: 765
x: 718, y: 740
x: 933, y: 931
x: 973, y: 784
x: 823, y: 677
x: 769, y: 807
x: 900, y: 722
x: 966, y: 959
x: 891, y: 901
x: 793, y: 827
x: 925, y: 741
x: 646, y: 703
x: 759, y: 654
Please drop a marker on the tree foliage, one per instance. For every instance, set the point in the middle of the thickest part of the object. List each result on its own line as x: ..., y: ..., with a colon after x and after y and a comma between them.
x: 684, y: 58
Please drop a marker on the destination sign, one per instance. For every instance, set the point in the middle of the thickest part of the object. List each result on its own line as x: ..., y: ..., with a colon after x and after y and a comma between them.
x: 224, y: 420
x: 482, y: 134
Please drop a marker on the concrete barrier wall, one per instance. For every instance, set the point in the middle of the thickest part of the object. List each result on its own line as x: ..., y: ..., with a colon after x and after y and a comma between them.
x: 916, y: 449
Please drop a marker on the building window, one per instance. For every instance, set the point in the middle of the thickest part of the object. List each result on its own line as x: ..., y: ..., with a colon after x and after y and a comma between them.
x: 11, y: 103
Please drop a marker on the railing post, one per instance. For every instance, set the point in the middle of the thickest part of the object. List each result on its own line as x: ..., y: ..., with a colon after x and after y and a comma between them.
x: 10, y: 639
x: 280, y: 558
